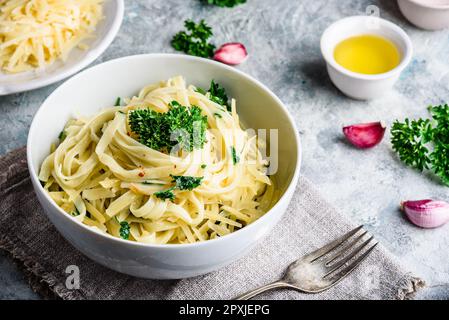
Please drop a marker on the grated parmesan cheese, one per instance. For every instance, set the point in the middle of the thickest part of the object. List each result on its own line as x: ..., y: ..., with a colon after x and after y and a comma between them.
x: 35, y: 33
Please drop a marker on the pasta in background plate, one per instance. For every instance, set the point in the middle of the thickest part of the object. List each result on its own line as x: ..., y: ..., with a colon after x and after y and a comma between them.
x: 105, y: 175
x: 35, y: 33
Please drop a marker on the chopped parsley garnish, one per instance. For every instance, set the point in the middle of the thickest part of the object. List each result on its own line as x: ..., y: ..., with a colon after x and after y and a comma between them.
x: 62, y: 135
x: 424, y: 143
x: 118, y: 102
x: 224, y: 3
x: 201, y: 90
x: 76, y: 212
x: 235, y: 157
x: 203, y: 166
x: 153, y: 183
x: 166, y: 194
x: 181, y: 183
x: 218, y: 115
x: 217, y: 94
x: 163, y: 131
x: 124, y: 230
x: 187, y: 182
x: 194, y: 41
x: 175, y: 104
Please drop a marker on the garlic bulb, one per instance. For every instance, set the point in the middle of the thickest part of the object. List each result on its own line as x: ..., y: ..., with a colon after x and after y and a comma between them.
x: 427, y: 213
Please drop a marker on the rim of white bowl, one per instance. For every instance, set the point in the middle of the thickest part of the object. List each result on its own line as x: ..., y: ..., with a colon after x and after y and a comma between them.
x: 247, y: 228
x: 429, y: 6
x: 398, y: 69
x: 90, y: 57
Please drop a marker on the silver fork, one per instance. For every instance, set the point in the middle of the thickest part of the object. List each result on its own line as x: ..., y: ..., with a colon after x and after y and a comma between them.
x: 325, y: 267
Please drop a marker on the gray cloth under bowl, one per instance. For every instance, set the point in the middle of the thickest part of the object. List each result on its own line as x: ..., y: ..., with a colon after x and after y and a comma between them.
x: 309, y: 223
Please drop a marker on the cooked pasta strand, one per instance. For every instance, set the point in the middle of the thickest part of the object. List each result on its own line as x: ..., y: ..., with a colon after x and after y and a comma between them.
x: 109, y: 179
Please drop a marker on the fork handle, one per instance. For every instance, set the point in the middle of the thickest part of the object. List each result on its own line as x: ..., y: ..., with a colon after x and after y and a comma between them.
x: 255, y: 292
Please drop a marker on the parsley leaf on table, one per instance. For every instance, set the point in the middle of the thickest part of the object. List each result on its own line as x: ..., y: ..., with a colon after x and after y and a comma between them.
x: 439, y: 158
x: 424, y: 143
x: 224, y: 3
x: 194, y: 41
x: 409, y: 140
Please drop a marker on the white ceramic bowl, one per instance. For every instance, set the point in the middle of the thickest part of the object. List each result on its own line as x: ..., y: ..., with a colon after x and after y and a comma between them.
x: 78, y: 59
x: 357, y: 85
x: 98, y: 87
x: 428, y: 15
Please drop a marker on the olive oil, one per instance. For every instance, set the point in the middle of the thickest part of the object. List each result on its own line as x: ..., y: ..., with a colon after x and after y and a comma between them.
x: 367, y: 54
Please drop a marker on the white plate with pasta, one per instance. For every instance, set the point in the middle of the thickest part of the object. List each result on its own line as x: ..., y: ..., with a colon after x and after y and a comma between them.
x: 45, y: 41
x: 173, y: 173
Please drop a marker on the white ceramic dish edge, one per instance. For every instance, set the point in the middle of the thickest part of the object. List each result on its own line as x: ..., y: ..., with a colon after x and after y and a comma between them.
x: 430, y: 5
x: 91, y: 55
x: 425, y: 16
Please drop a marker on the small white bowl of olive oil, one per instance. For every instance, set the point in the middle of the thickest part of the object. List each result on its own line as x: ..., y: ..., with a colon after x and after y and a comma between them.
x: 365, y: 55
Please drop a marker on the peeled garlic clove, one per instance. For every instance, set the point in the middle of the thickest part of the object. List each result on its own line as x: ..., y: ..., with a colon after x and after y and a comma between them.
x: 427, y: 213
x: 365, y: 135
x: 231, y: 53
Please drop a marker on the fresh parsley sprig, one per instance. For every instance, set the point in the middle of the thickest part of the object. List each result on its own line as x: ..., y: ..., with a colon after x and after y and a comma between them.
x: 224, y: 3
x: 424, y: 143
x: 163, y: 131
x: 195, y: 40
x: 409, y: 139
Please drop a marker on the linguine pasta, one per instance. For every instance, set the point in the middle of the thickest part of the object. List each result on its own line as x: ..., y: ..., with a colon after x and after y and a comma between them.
x: 104, y: 177
x: 35, y: 33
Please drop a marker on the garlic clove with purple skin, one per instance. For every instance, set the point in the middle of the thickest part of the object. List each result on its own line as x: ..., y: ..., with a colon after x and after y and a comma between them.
x: 426, y: 213
x: 365, y: 135
x: 232, y: 53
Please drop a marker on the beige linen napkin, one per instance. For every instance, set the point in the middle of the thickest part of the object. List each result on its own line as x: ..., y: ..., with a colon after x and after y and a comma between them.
x: 309, y: 223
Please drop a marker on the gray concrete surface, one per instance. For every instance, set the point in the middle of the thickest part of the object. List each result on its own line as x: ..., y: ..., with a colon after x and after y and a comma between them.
x: 282, y: 37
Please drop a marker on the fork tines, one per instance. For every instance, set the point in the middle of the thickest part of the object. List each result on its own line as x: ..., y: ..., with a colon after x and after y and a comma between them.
x: 343, y: 255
